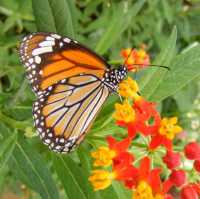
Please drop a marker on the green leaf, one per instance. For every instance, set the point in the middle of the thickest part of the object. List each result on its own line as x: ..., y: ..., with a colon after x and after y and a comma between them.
x: 167, y: 11
x: 120, y: 21
x: 85, y: 159
x: 54, y: 16
x: 184, y: 68
x: 62, y: 15
x: 121, y: 192
x: 6, y: 148
x: 73, y: 178
x: 43, y: 16
x: 186, y: 96
x: 32, y: 169
x: 109, y: 193
x: 151, y: 80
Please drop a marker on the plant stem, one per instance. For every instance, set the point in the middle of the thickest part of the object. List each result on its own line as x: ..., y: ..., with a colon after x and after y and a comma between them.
x: 140, y: 145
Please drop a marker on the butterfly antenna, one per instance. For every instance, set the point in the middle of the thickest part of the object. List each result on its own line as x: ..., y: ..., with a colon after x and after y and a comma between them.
x: 152, y: 65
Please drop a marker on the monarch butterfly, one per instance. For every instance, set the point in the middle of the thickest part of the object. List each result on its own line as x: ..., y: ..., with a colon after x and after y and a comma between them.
x: 71, y: 83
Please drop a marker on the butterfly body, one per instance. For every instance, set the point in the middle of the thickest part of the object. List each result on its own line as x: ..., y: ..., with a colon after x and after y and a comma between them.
x: 71, y: 83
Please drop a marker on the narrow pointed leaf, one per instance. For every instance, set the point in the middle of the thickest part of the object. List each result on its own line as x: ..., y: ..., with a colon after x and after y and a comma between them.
x: 184, y: 68
x: 73, y: 178
x: 6, y: 148
x: 151, y: 80
x: 54, y: 16
x: 118, y: 24
x: 43, y: 16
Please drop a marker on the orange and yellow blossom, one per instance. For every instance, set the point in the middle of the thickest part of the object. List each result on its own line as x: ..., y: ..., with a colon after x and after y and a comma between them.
x: 166, y: 133
x: 149, y: 184
x: 101, y: 179
x: 128, y: 88
x: 135, y: 58
x: 143, y: 190
x: 115, y: 155
x: 169, y: 127
x: 103, y: 156
x: 124, y: 112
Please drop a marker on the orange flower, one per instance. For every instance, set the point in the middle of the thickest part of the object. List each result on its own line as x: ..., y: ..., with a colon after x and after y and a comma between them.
x: 128, y: 88
x: 147, y: 118
x: 169, y: 127
x: 116, y: 155
x: 103, y: 156
x: 166, y: 133
x: 135, y: 58
x: 101, y: 179
x: 124, y: 112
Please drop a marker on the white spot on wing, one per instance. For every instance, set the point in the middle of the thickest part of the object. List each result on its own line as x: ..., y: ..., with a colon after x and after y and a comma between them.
x: 46, y: 43
x: 43, y: 50
x: 37, y: 59
x: 67, y: 40
x: 41, y: 72
x: 56, y: 36
x: 30, y: 60
x: 50, y: 38
x: 24, y: 38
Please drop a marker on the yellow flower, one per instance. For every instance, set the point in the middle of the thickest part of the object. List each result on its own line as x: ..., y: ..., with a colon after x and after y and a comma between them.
x: 141, y: 53
x: 169, y: 127
x: 158, y: 196
x: 101, y: 179
x: 103, y: 156
x: 128, y: 88
x: 124, y: 112
x: 143, y: 191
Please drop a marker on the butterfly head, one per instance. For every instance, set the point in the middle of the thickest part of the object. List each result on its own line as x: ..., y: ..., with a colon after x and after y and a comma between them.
x: 113, y: 77
x: 121, y: 73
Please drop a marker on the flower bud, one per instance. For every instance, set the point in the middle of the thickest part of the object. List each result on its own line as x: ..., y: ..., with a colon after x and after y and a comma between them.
x: 188, y: 192
x: 172, y: 160
x: 192, y: 151
x: 178, y: 177
x: 197, y: 165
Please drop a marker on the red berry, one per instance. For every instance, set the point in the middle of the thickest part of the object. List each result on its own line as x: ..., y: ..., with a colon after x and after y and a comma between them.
x: 178, y: 177
x: 188, y: 192
x: 197, y: 165
x: 192, y: 151
x: 172, y: 160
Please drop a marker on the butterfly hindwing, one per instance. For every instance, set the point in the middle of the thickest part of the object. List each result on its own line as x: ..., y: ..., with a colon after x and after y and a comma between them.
x: 65, y: 111
x: 49, y: 58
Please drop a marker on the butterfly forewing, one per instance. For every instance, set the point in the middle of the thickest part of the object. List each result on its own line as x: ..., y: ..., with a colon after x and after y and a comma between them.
x: 50, y: 58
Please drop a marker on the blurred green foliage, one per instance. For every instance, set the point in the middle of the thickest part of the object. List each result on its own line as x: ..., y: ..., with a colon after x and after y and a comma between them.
x: 106, y: 26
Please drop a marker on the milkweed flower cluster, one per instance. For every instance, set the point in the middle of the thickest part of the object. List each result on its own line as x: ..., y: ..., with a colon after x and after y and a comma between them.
x: 145, y: 161
x: 136, y: 58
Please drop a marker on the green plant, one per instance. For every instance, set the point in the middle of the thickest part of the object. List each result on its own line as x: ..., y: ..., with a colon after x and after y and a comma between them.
x: 106, y: 27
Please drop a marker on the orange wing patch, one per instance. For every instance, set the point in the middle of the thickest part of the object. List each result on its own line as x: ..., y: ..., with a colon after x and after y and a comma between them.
x: 84, y: 58
x: 70, y: 63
